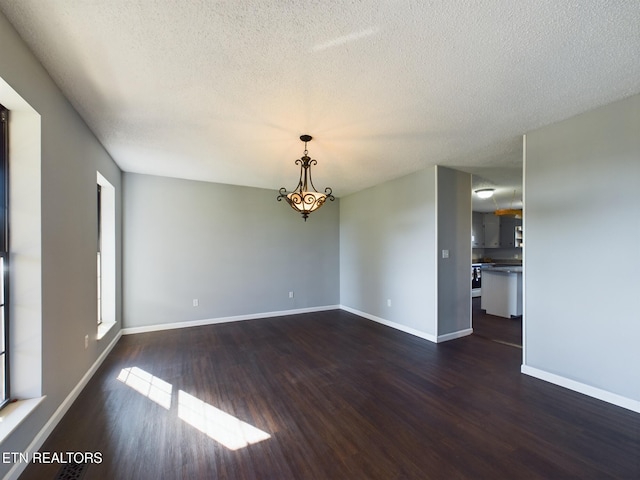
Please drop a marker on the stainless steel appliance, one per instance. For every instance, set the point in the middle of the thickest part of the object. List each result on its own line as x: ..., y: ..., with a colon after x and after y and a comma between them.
x: 476, y: 279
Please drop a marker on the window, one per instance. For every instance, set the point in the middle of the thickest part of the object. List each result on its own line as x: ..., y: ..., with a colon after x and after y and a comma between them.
x: 99, y: 248
x: 106, y: 255
x: 23, y: 300
x: 4, y: 256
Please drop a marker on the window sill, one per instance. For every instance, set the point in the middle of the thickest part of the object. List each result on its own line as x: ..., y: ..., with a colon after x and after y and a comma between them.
x: 15, y: 413
x: 104, y: 328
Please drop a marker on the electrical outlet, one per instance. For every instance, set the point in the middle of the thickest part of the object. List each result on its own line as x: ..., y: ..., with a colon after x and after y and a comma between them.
x: 388, y: 302
x: 445, y: 253
x: 196, y: 302
x: 290, y: 294
x: 86, y: 342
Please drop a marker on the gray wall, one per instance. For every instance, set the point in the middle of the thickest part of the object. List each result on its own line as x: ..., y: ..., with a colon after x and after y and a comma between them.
x: 391, y: 238
x: 387, y: 251
x: 454, y: 235
x: 235, y: 249
x: 582, y: 233
x: 70, y: 157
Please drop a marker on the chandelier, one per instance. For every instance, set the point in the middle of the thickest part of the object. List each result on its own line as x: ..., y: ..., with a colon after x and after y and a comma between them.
x: 302, y: 199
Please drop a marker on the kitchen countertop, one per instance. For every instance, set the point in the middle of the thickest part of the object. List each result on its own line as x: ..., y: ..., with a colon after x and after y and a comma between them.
x: 503, y: 269
x: 514, y: 263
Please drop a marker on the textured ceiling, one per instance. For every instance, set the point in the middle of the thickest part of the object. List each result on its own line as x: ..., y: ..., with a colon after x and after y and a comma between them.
x: 221, y: 90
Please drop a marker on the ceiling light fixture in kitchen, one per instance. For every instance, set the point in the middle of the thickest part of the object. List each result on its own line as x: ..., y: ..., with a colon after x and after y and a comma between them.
x: 303, y: 199
x: 485, y: 192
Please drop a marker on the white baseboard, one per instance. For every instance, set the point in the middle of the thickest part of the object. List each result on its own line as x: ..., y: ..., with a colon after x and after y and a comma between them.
x: 253, y: 316
x: 44, y: 433
x: 213, y: 321
x: 412, y: 331
x: 604, y: 395
x: 397, y: 326
x: 453, y: 335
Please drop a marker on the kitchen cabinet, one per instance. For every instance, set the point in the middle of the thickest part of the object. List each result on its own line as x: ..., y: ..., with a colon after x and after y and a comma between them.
x: 477, y: 230
x: 508, y: 231
x: 491, y: 225
x: 491, y: 231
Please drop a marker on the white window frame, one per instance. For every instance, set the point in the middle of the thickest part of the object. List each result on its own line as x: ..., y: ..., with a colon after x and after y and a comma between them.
x: 107, y: 269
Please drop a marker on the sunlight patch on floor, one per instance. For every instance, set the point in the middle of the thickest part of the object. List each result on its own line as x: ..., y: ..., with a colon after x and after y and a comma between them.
x: 226, y: 429
x: 222, y: 427
x: 150, y: 386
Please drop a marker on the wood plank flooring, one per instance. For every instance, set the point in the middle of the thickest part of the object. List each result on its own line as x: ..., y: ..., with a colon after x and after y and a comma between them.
x: 492, y: 327
x: 341, y: 397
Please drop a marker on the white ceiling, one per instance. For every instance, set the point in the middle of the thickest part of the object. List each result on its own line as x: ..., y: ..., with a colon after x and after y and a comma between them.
x: 221, y: 90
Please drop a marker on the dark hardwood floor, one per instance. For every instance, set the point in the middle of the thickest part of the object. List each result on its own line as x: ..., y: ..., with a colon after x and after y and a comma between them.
x: 497, y: 329
x: 340, y: 397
